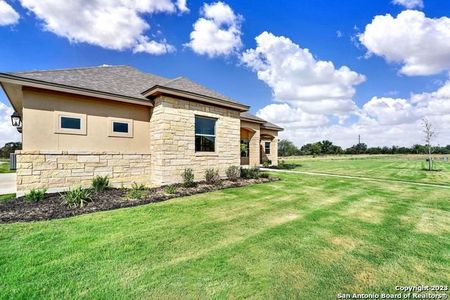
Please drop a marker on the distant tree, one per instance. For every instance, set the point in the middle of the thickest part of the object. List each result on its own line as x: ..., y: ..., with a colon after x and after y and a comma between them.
x: 360, y: 148
x: 10, y: 148
x: 429, y: 135
x: 316, y: 149
x: 326, y: 147
x: 287, y: 148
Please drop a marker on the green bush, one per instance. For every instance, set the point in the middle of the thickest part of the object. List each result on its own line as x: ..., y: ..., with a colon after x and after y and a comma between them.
x: 250, y: 173
x: 35, y: 195
x: 100, y: 183
x: 136, y: 192
x: 264, y: 175
x: 212, y: 176
x: 170, y: 189
x: 77, y: 197
x: 233, y: 173
x: 188, y: 177
x: 267, y: 163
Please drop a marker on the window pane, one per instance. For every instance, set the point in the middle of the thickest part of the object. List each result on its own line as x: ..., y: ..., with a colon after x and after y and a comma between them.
x: 204, y: 143
x: 70, y: 123
x: 245, y: 147
x: 205, y: 126
x: 267, y: 147
x: 120, y: 127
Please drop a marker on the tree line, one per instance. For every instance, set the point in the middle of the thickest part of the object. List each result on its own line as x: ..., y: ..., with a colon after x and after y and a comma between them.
x: 9, y: 148
x: 287, y: 148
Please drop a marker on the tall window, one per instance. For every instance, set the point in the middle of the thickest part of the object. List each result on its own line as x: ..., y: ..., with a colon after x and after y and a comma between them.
x: 267, y: 147
x: 205, y: 134
x: 245, y: 145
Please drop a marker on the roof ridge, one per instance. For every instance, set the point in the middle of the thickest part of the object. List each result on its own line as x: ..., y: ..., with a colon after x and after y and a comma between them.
x: 77, y: 68
x: 172, y: 80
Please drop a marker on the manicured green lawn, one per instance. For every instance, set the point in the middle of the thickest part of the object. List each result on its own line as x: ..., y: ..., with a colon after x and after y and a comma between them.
x: 4, y: 166
x: 389, y: 167
x: 308, y: 237
x: 7, y: 197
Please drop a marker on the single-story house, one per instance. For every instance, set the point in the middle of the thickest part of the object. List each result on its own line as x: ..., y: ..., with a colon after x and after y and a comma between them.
x: 132, y: 126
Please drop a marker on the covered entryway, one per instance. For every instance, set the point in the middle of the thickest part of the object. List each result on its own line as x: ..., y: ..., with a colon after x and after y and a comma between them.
x: 246, y: 135
x: 267, y: 148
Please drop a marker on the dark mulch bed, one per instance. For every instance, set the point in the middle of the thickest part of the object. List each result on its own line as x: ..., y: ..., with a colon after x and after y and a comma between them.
x: 52, y: 206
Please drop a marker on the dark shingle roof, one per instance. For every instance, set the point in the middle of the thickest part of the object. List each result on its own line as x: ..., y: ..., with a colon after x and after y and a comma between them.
x: 185, y: 84
x: 264, y: 123
x: 247, y: 115
x: 119, y: 80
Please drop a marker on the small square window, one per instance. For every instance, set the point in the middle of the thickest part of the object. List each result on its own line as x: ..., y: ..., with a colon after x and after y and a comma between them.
x: 267, y: 147
x: 70, y: 123
x: 120, y: 127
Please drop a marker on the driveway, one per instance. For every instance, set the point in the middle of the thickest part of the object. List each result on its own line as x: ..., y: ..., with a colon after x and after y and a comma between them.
x: 7, y: 183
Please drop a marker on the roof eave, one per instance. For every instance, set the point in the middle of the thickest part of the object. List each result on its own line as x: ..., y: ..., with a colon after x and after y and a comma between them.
x: 273, y: 128
x: 13, y: 79
x: 158, y: 90
x: 252, y: 120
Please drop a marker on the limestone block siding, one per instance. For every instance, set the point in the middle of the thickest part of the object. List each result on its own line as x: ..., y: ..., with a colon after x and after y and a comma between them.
x: 60, y: 170
x: 172, y: 139
x: 254, y: 143
x: 272, y: 137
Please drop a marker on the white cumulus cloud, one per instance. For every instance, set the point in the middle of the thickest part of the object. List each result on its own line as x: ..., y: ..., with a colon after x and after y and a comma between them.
x: 380, y: 122
x: 420, y: 44
x: 111, y: 24
x: 8, y: 16
x: 8, y: 133
x: 297, y: 78
x: 217, y: 32
x: 409, y: 3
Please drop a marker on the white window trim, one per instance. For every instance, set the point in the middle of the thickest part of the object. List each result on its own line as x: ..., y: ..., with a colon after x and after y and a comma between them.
x: 59, y: 130
x: 112, y: 133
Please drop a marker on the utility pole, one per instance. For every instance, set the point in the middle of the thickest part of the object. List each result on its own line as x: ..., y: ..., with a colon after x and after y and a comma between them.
x: 359, y: 139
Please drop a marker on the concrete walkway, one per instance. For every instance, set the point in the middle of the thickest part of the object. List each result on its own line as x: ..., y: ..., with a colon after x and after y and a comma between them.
x: 359, y: 178
x: 7, y: 183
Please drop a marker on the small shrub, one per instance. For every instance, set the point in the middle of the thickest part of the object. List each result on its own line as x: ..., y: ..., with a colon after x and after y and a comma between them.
x: 35, y: 195
x: 170, y: 189
x: 250, y: 173
x: 264, y: 175
x: 188, y: 177
x: 136, y: 192
x: 77, y: 197
x: 267, y: 163
x: 100, y: 183
x: 233, y: 173
x: 212, y: 176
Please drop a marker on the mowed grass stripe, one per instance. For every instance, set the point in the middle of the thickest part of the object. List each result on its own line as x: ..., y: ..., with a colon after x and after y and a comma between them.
x: 305, y: 236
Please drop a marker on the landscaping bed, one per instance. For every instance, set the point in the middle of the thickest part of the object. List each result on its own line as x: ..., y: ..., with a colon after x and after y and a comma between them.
x: 52, y: 206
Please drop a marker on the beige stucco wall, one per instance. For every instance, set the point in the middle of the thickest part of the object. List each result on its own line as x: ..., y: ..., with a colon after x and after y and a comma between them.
x: 272, y: 137
x: 254, y: 151
x: 39, y: 115
x: 172, y: 130
x: 59, y: 170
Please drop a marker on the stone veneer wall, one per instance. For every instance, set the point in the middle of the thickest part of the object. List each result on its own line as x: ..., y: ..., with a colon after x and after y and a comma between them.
x: 254, y: 143
x: 273, y: 156
x: 60, y: 170
x: 172, y: 139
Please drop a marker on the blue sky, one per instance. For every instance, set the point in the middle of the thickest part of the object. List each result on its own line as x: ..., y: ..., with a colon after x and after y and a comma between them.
x: 329, y: 29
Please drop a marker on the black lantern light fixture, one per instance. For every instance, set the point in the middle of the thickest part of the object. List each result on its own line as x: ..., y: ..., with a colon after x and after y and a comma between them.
x: 16, y: 121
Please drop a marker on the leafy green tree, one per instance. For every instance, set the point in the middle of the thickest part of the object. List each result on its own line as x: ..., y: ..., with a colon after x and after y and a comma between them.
x: 287, y: 148
x: 10, y: 148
